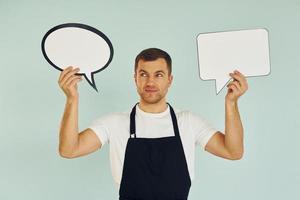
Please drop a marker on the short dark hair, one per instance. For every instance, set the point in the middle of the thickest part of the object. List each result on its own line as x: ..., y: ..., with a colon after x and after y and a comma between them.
x: 152, y: 54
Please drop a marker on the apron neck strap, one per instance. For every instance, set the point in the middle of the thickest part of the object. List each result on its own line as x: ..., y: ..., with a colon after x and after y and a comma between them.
x: 132, y: 121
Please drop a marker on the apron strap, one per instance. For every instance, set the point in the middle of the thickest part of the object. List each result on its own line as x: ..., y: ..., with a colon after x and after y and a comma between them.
x: 174, y: 121
x: 132, y: 121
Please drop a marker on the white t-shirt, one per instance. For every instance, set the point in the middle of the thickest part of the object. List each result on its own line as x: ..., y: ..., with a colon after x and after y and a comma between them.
x: 114, y: 129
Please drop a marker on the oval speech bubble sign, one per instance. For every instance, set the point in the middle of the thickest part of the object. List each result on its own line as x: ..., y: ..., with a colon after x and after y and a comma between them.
x: 78, y: 45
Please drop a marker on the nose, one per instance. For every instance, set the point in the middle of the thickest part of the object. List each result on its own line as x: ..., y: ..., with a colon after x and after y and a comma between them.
x: 150, y: 80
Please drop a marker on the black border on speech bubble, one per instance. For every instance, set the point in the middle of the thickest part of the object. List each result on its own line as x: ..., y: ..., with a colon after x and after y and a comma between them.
x: 83, y: 26
x: 266, y: 29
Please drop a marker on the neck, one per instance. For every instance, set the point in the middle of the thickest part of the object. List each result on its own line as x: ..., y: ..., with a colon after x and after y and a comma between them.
x: 158, y: 107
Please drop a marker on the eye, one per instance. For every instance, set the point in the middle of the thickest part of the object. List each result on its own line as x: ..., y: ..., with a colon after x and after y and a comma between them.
x: 143, y: 74
x: 159, y: 75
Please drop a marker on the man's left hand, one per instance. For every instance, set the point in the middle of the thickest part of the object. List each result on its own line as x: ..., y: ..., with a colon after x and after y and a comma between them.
x: 237, y: 87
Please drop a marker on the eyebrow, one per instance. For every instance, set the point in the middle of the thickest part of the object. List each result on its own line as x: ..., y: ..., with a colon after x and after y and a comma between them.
x: 141, y: 70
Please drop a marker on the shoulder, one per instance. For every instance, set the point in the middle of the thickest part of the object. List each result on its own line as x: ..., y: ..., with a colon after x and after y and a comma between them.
x: 113, y: 117
x: 188, y: 115
x: 192, y: 119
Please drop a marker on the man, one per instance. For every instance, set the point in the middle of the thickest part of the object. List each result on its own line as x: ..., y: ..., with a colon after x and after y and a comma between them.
x: 152, y: 147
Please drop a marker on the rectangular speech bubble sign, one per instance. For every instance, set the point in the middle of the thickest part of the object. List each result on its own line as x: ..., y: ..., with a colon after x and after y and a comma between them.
x: 220, y: 53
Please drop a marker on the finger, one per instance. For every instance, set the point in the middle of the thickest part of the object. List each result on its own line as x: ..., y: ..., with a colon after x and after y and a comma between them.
x: 67, y: 71
x: 74, y: 82
x: 69, y: 75
x: 63, y: 73
x: 238, y: 72
x: 244, y: 80
x: 237, y: 78
x: 238, y: 86
x: 68, y: 82
x: 232, y: 88
x: 240, y: 78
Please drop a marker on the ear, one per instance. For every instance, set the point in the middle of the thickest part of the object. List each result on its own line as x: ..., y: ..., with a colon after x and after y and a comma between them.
x: 134, y: 77
x: 170, y: 80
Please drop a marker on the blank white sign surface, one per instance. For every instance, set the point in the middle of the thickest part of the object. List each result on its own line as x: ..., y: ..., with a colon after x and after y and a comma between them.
x: 220, y: 53
x: 73, y: 46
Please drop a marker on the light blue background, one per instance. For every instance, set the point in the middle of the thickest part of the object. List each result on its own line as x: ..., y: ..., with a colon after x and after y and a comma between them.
x: 32, y: 104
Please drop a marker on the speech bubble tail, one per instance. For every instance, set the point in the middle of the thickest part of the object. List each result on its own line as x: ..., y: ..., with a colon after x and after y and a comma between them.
x: 220, y: 84
x: 90, y: 79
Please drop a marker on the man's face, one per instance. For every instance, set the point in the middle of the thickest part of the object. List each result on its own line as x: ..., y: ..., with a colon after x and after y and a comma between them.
x: 152, y: 80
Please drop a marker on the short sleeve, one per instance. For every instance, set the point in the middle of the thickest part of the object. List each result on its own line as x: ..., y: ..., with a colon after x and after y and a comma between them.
x: 201, y: 128
x: 101, y: 127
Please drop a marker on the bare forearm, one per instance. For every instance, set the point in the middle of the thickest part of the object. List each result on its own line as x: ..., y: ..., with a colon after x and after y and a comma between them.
x: 233, y: 129
x: 68, y: 136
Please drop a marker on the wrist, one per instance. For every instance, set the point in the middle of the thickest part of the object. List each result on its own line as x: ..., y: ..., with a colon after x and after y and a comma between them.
x: 71, y: 100
x: 231, y: 103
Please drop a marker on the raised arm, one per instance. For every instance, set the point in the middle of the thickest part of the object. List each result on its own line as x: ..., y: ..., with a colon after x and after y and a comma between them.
x: 230, y: 145
x: 71, y: 143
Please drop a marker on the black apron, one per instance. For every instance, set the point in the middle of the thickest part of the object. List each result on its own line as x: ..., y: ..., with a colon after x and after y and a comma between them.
x: 154, y: 168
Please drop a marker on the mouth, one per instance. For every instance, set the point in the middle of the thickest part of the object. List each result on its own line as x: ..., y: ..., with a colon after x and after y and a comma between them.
x: 151, y: 90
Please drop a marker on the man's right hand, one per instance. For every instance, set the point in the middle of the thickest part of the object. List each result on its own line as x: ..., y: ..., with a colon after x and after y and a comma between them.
x: 68, y: 82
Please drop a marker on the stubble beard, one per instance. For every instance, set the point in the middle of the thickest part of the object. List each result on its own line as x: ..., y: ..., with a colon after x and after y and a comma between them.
x: 151, y: 98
